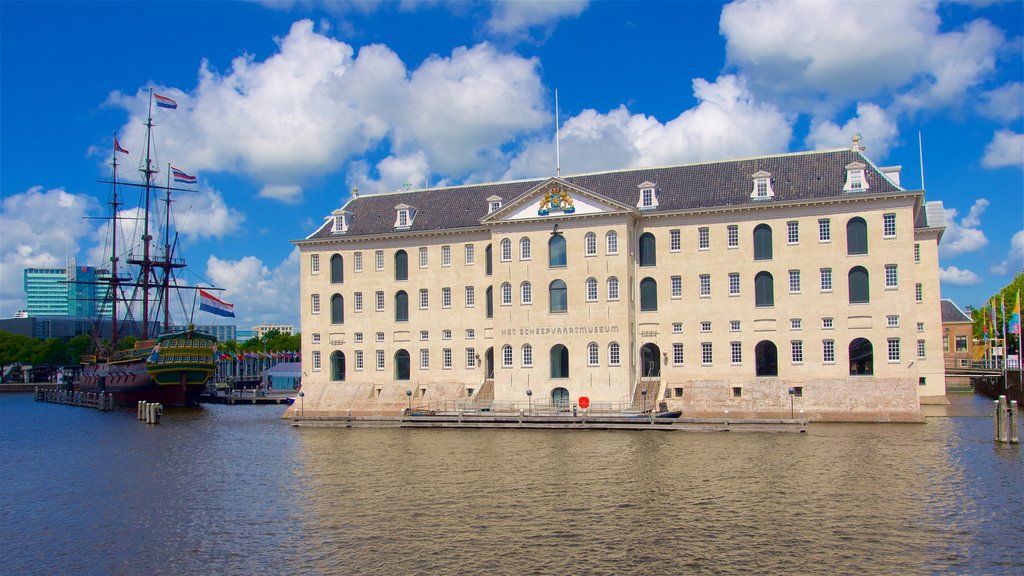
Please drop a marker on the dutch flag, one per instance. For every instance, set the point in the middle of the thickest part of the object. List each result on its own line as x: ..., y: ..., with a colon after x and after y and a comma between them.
x: 214, y: 305
x: 180, y: 176
x: 164, y: 101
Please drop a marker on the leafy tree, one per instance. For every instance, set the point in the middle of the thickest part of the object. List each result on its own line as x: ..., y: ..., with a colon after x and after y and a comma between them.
x: 1007, y: 295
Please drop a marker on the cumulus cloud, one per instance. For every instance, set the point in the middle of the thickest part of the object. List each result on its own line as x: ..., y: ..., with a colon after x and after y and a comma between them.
x: 874, y: 124
x: 966, y: 235
x: 394, y: 173
x: 1005, y: 149
x: 956, y: 277
x: 59, y: 215
x: 289, y: 194
x: 1005, y: 103
x: 1014, y: 262
x: 728, y: 122
x: 519, y: 19
x: 259, y: 293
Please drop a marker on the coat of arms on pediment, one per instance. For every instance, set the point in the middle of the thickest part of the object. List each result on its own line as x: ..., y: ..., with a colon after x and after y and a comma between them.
x: 556, y: 200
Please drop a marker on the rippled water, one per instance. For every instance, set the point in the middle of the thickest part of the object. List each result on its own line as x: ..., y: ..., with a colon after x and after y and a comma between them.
x: 235, y: 490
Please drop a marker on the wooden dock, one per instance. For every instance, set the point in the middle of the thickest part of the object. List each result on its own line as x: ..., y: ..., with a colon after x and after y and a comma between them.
x: 98, y: 400
x: 246, y: 397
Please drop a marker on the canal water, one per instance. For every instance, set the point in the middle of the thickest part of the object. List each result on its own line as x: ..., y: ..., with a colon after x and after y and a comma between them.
x: 236, y: 490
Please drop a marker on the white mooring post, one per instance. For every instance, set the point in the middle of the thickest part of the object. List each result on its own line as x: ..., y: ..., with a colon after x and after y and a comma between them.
x: 1012, y: 422
x: 142, y: 410
x: 1001, y: 421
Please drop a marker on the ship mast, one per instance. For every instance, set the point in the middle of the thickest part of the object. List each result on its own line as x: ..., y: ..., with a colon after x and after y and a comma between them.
x: 114, y: 280
x: 147, y: 265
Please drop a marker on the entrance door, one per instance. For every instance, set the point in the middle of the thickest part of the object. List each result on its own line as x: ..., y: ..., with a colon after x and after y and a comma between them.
x: 560, y: 399
x: 489, y: 364
x: 650, y: 364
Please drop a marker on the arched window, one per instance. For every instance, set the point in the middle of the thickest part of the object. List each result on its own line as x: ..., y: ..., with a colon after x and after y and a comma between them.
x: 592, y: 354
x: 763, y: 242
x: 506, y: 356
x: 591, y: 289
x: 401, y: 306
x: 488, y: 265
x: 337, y: 365
x: 337, y: 269
x: 401, y: 265
x: 401, y: 365
x: 337, y: 309
x: 590, y: 244
x: 766, y: 358
x: 648, y: 295
x: 557, y: 297
x: 524, y: 249
x: 764, y: 289
x: 556, y: 251
x: 489, y: 298
x: 506, y: 250
x: 560, y: 399
x: 650, y: 361
x: 526, y: 293
x: 613, y: 288
x: 559, y: 361
x: 527, y: 356
x: 862, y: 357
x: 857, y: 236
x: 612, y: 242
x: 506, y: 294
x: 613, y: 354
x: 648, y: 250
x: 859, y: 291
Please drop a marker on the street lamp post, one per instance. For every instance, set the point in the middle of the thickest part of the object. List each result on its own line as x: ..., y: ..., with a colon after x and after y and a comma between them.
x: 529, y: 396
x: 792, y: 393
x: 302, y: 404
x: 408, y: 398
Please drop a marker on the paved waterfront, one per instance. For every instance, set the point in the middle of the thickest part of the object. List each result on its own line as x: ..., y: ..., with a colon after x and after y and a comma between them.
x: 236, y: 490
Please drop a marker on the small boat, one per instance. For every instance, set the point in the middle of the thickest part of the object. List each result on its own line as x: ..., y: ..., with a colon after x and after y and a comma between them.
x: 670, y: 414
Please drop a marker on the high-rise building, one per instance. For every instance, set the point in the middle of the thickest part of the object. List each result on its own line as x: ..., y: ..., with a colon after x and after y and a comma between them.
x: 69, y: 291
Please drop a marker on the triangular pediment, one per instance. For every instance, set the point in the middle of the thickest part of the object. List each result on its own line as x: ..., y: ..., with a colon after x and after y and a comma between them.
x: 554, y: 198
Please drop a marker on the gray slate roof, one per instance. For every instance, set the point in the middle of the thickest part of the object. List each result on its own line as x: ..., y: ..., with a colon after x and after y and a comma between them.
x: 951, y: 312
x: 795, y: 177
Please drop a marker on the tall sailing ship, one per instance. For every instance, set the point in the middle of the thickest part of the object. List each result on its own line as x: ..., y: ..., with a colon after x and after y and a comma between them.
x: 173, y: 367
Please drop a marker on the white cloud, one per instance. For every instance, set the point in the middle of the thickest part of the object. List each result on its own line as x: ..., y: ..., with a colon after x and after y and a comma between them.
x: 1014, y: 262
x: 259, y: 293
x: 726, y: 123
x: 394, y: 173
x: 289, y: 194
x: 1005, y: 149
x: 964, y: 236
x: 877, y: 128
x: 521, y: 17
x: 40, y: 228
x: 1005, y: 103
x: 957, y: 277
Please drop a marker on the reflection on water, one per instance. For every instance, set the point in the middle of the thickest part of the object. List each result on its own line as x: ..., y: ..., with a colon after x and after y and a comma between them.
x: 232, y: 489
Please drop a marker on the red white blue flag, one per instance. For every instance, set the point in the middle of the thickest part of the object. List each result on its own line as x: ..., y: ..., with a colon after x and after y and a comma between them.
x: 117, y: 147
x: 214, y: 305
x: 180, y: 176
x: 164, y: 101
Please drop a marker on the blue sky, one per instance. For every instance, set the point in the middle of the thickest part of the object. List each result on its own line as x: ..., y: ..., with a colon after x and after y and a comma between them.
x: 285, y: 106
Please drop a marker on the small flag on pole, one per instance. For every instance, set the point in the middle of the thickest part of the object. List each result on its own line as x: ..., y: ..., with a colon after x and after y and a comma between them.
x: 213, y: 305
x: 1015, y: 318
x: 180, y: 176
x: 164, y: 101
x: 117, y: 147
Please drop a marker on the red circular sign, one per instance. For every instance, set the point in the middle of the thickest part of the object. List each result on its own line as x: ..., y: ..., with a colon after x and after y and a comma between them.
x: 584, y: 402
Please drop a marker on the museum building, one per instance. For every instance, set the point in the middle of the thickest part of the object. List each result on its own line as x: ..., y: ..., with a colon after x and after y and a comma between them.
x: 762, y: 286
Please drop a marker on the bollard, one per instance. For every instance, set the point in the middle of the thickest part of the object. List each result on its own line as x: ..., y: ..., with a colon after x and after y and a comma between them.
x: 997, y: 421
x: 1013, y: 421
x: 142, y: 410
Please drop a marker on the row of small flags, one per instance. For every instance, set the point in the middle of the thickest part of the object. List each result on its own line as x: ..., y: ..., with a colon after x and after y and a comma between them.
x: 241, y: 356
x: 989, y: 318
x: 179, y: 175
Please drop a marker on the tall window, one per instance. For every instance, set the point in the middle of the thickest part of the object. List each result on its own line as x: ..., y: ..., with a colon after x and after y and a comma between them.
x: 613, y: 288
x: 446, y: 358
x: 648, y: 295
x: 506, y: 294
x: 734, y: 283
x: 859, y: 291
x: 706, y: 356
x: 797, y: 351
x: 446, y: 256
x: 705, y: 285
x: 401, y: 306
x: 826, y: 279
x: 794, y: 281
x: 590, y: 244
x: 488, y: 263
x: 401, y: 265
x: 470, y: 254
x: 918, y: 292
x: 703, y: 238
x: 591, y: 289
x: 891, y: 276
x: 359, y: 359
x: 557, y: 297
x: 792, y: 232
x: 612, y: 242
x: 337, y: 309
x: 470, y: 296
x: 764, y: 289
x: 762, y: 242
x: 824, y: 230
x: 677, y: 354
x: 733, y: 236
x: 337, y: 269
x: 917, y: 253
x: 424, y: 257
x: 314, y: 303
x: 314, y: 263
x: 828, y: 351
x: 357, y: 263
x: 889, y: 225
x: 380, y: 301
x: 527, y: 356
x: 524, y: 249
x: 446, y: 297
x: 559, y: 361
x: 506, y: 250
x: 380, y: 359
x: 736, y: 349
x: 648, y: 254
x: 378, y: 257
x: 489, y: 302
x: 316, y: 360
x: 675, y: 242
x: 614, y: 359
x: 592, y: 355
x: 424, y: 298
x: 424, y: 359
x: 358, y: 301
x: 506, y: 356
x: 526, y: 293
x: 894, y: 349
x: 857, y: 236
x: 556, y: 251
x: 677, y: 286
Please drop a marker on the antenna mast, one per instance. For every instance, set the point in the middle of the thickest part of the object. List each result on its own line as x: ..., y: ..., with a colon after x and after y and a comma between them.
x: 920, y: 151
x: 558, y: 159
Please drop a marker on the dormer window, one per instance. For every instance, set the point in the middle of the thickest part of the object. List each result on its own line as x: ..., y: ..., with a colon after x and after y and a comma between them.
x: 648, y: 196
x: 339, y: 224
x: 493, y: 203
x: 762, y: 186
x: 404, y: 216
x: 856, y: 180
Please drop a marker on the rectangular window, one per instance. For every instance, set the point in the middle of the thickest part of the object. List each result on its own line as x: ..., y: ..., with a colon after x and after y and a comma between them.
x: 794, y: 281
x: 470, y: 333
x: 917, y: 253
x: 894, y: 349
x: 889, y: 225
x: 891, y: 278
x: 446, y: 297
x: 446, y: 256
x: 826, y: 279
x: 892, y: 321
x: 737, y: 391
x: 677, y: 354
x: 945, y: 342
x: 379, y: 259
x: 736, y: 352
x: 357, y: 263
x: 734, y: 325
x: 677, y: 286
x: 705, y: 326
x: 793, y: 232
x: 380, y: 301
x: 796, y: 324
x: 358, y: 338
x: 314, y: 304
x: 528, y: 356
x: 797, y: 346
x: 470, y: 254
x: 705, y: 353
x: 316, y: 338
x: 705, y: 285
x: 358, y: 303
x: 424, y: 298
x: 314, y: 263
x: 733, y: 236
x: 423, y: 257
x: 424, y: 335
x: 446, y: 358
x: 470, y: 296
x: 316, y: 360
x: 828, y: 351
x: 918, y: 292
x: 677, y: 327
x: 380, y: 359
x: 734, y: 283
x: 470, y: 358
x: 703, y: 238
x: 920, y: 350
x: 920, y: 326
x: 613, y: 354
x: 961, y: 343
x: 380, y: 336
x: 824, y: 230
x: 446, y: 334
x: 424, y: 359
x: 826, y: 323
x: 359, y: 359
x: 506, y: 356
x: 675, y: 244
